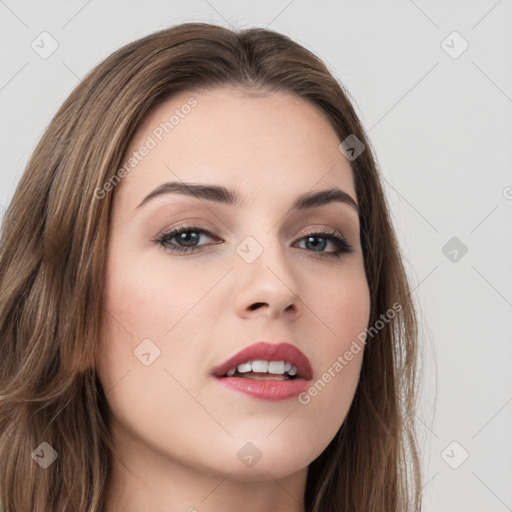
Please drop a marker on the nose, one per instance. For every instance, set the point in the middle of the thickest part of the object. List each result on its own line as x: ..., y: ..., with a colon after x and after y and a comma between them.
x: 267, y: 286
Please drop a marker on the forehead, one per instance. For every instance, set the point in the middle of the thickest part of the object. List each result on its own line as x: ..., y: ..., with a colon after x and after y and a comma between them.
x: 273, y: 142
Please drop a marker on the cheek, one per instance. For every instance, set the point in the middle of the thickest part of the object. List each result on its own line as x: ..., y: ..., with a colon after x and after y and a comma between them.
x: 145, y: 321
x: 344, y: 315
x: 327, y: 401
x: 342, y: 307
x: 150, y: 298
x: 151, y: 316
x: 135, y: 311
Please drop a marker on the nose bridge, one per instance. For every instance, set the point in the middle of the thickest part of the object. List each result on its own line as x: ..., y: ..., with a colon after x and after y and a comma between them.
x: 264, y: 273
x: 263, y: 248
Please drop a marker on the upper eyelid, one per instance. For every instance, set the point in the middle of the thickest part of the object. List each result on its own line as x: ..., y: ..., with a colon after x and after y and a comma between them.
x: 315, y: 215
x: 211, y: 231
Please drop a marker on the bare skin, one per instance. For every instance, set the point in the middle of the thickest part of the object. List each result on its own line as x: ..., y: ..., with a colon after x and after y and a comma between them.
x: 176, y: 430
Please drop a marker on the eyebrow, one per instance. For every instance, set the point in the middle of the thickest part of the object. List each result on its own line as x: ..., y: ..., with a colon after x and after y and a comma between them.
x: 223, y: 195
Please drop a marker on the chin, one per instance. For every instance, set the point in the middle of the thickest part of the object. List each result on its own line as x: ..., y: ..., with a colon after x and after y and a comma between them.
x: 265, y: 471
x: 265, y: 460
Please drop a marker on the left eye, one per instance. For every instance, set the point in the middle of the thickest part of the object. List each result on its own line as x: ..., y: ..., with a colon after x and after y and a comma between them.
x: 339, y: 243
x: 190, y: 235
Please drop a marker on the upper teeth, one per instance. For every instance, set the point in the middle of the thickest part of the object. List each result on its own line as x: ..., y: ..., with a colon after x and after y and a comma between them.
x: 277, y: 367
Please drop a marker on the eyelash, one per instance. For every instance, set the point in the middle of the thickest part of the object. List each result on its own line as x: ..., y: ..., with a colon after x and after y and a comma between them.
x: 342, y: 245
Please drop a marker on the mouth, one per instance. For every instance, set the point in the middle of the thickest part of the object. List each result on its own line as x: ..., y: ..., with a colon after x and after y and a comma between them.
x: 266, y: 371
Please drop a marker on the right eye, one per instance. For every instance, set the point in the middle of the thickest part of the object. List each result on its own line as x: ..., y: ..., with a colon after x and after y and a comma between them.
x: 184, y: 234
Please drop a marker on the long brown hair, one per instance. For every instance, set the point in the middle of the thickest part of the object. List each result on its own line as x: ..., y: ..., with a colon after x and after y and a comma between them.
x: 53, y: 249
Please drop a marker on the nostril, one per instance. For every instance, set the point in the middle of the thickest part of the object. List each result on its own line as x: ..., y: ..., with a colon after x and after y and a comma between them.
x: 257, y: 305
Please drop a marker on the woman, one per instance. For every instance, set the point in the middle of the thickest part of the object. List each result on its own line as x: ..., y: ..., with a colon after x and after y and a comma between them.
x: 202, y: 300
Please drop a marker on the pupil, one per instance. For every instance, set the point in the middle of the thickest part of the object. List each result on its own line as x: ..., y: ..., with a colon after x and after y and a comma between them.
x: 317, y: 238
x: 185, y: 237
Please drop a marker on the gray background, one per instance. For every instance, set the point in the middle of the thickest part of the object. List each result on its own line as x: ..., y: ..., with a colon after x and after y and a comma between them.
x: 441, y: 126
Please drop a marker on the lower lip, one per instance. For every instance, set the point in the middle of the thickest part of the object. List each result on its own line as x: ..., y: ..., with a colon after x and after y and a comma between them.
x: 271, y: 390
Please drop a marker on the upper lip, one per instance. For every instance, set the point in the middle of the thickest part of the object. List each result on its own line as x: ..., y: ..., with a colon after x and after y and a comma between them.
x: 268, y: 352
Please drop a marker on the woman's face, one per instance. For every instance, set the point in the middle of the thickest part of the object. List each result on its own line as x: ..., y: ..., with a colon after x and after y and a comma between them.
x: 172, y: 318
